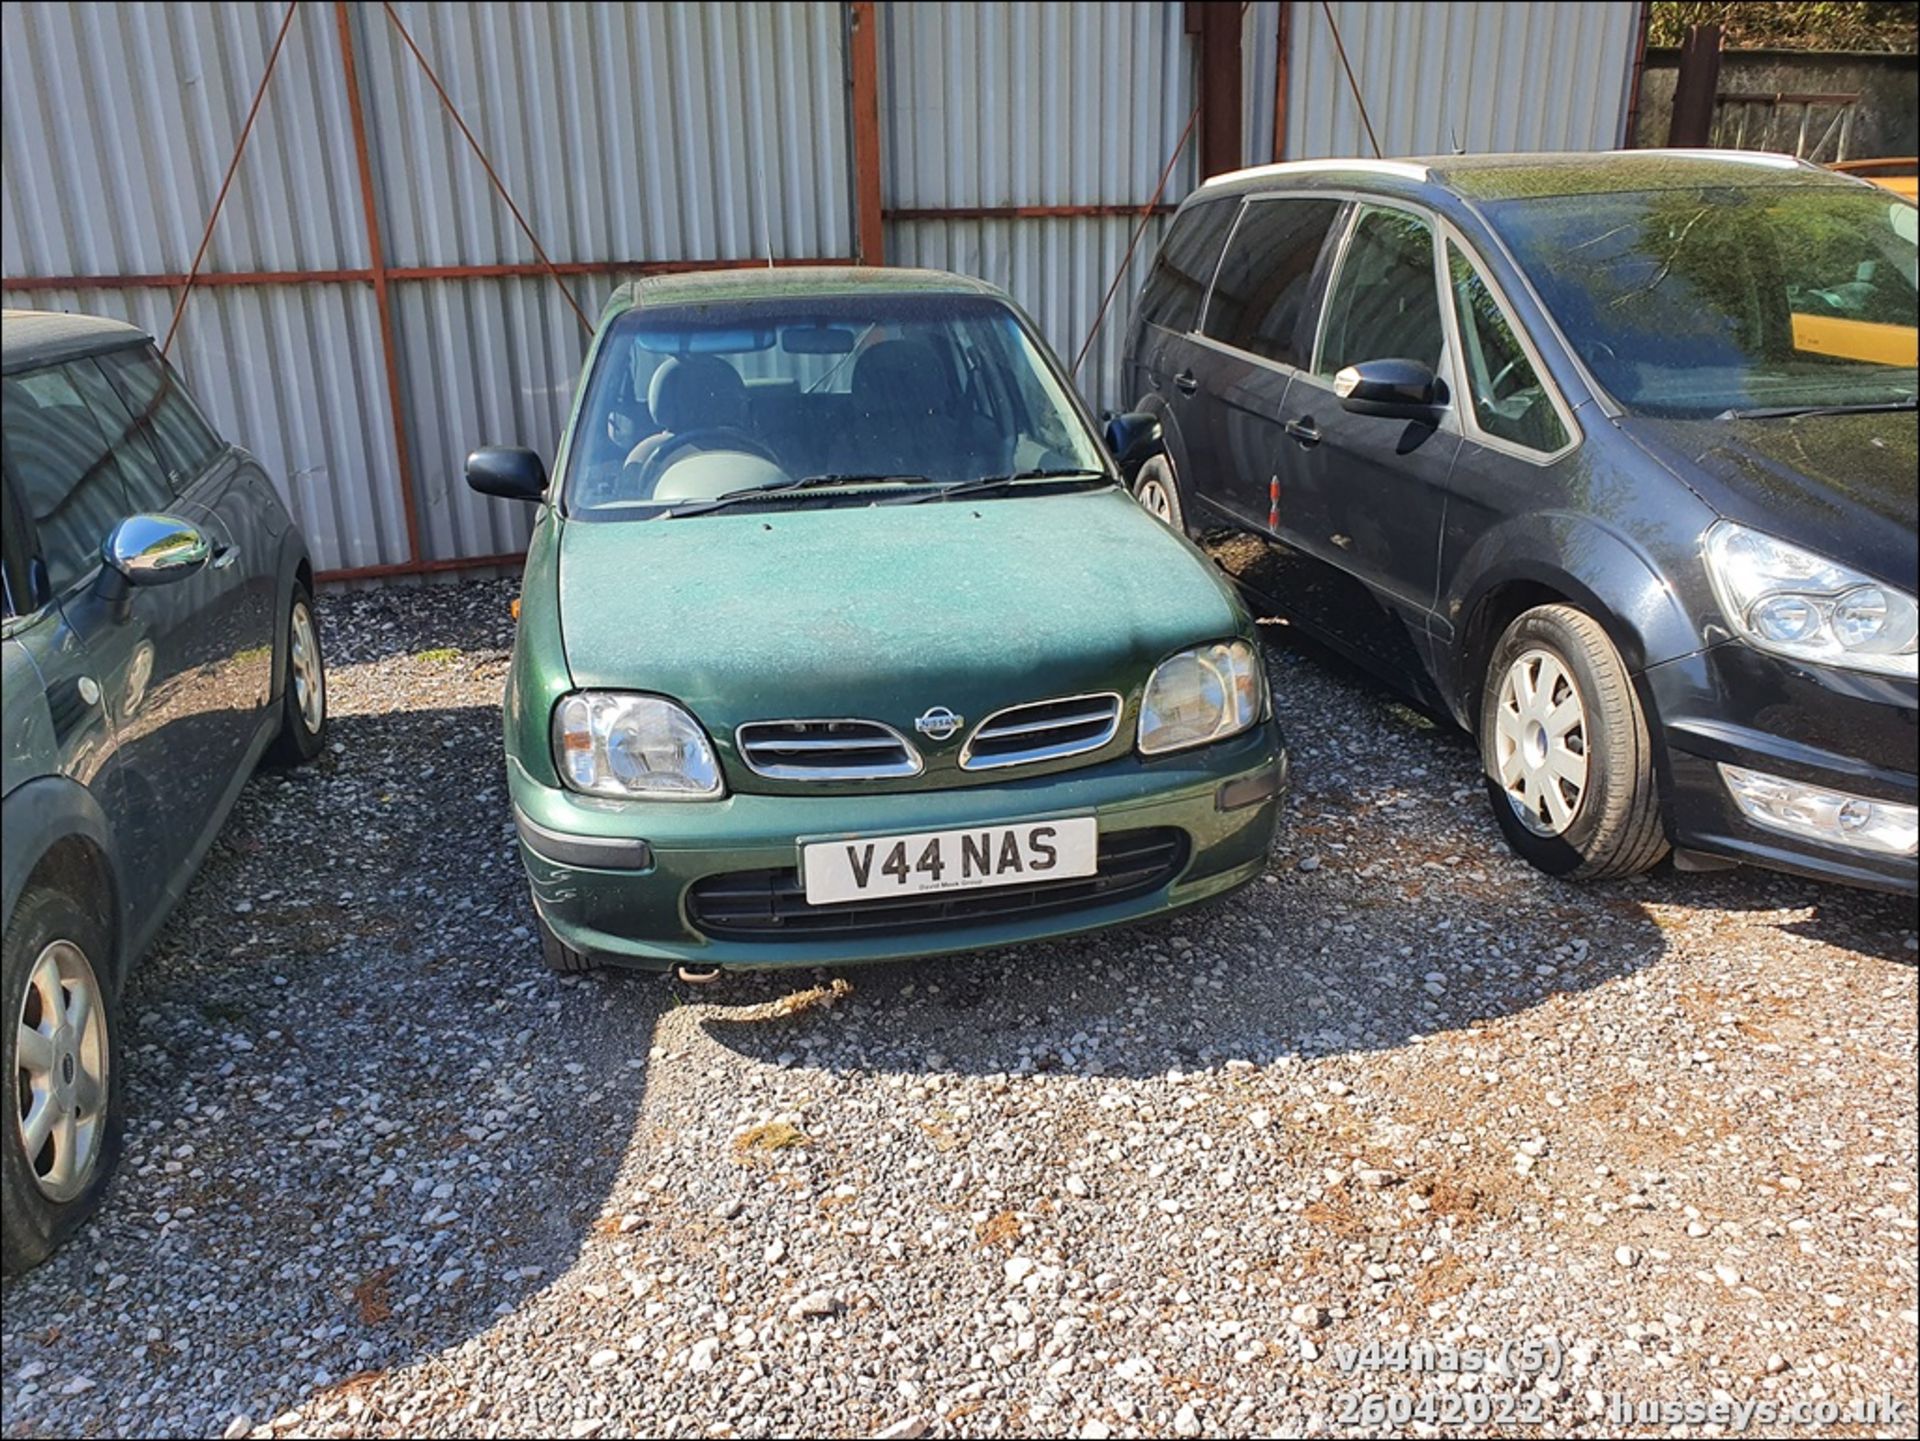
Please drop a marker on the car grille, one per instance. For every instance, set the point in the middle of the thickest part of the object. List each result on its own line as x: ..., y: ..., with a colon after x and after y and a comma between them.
x: 826, y: 750
x: 1042, y: 731
x: 772, y: 905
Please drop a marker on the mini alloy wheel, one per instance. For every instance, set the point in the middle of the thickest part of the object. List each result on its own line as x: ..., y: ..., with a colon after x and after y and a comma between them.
x: 61, y: 1053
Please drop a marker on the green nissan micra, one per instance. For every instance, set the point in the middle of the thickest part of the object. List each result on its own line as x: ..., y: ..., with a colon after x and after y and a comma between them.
x: 841, y: 640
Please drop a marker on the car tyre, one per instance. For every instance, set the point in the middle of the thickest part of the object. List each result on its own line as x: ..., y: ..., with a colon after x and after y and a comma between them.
x: 560, y: 957
x: 1159, y: 495
x: 1564, y: 743
x: 303, y: 687
x: 55, y: 959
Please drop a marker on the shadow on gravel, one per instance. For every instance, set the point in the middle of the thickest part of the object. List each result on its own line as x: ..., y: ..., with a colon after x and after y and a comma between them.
x: 365, y: 1121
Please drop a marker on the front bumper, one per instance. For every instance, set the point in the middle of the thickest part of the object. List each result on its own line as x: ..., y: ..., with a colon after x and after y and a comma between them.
x: 1840, y: 730
x: 640, y: 912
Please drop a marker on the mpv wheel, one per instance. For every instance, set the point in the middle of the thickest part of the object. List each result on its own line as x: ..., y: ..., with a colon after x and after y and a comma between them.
x: 1158, y: 495
x: 1569, y: 766
x: 303, y: 699
x: 64, y: 1114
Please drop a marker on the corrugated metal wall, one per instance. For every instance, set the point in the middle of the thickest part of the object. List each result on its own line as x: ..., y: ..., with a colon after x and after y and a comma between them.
x: 1005, y: 106
x: 626, y: 134
x: 637, y: 133
x: 1450, y: 74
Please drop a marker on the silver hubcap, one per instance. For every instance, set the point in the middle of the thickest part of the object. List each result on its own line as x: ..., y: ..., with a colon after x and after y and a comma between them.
x: 1540, y: 743
x: 1153, y: 495
x: 60, y: 1052
x: 309, y: 685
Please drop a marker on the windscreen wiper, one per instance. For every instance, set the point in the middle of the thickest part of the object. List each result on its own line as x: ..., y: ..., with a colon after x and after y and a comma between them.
x: 784, y: 487
x: 1783, y: 412
x: 993, y: 482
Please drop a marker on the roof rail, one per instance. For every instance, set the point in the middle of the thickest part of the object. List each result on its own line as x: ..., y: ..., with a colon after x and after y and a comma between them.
x: 1404, y: 169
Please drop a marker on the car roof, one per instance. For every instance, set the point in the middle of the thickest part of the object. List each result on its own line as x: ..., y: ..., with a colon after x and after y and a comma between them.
x: 744, y: 284
x: 1507, y: 177
x: 44, y: 337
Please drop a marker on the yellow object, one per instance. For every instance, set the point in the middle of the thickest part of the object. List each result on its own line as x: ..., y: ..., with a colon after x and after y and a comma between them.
x: 1901, y: 175
x: 1856, y: 339
x: 513, y: 607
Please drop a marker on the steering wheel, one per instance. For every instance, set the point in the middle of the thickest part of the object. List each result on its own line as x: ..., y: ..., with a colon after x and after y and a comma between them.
x: 718, y: 437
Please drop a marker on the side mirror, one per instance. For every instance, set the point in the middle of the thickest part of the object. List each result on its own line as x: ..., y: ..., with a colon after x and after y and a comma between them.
x: 151, y: 549
x: 508, y: 472
x: 1134, y: 438
x: 1394, y: 389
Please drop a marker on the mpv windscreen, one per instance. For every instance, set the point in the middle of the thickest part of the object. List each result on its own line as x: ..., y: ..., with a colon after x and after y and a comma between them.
x: 686, y: 405
x: 1699, y: 301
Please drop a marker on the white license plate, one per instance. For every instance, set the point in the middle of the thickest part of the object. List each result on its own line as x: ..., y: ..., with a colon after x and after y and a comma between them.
x: 870, y: 868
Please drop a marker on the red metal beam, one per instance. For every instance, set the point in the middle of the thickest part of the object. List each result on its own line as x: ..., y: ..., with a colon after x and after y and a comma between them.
x: 864, y: 67
x: 525, y: 269
x: 1221, y: 148
x: 174, y: 282
x: 423, y: 567
x: 1630, y: 140
x: 1694, y: 89
x: 1283, y: 50
x: 1027, y: 212
x: 376, y: 254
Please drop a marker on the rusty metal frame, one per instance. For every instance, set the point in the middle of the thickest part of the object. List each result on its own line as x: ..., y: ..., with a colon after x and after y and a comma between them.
x: 863, y: 74
x: 1282, y: 57
x: 382, y: 303
x: 1026, y: 212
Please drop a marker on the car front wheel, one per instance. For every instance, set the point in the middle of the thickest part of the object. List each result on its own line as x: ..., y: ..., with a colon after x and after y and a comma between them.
x: 1568, y: 761
x: 64, y: 1111
x: 303, y: 688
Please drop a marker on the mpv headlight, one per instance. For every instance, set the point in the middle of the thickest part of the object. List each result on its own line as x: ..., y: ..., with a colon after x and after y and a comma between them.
x: 1795, y: 603
x: 1200, y: 695
x: 633, y: 747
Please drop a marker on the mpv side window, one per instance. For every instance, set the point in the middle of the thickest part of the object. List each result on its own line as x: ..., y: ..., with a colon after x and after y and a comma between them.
x: 1266, y: 275
x: 1508, y: 399
x: 1385, y: 302
x: 16, y: 576
x: 1182, y: 270
x: 68, y: 480
x: 153, y: 393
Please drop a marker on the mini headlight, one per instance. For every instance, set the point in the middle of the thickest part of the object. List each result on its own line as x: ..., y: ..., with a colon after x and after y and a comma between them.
x: 633, y: 747
x: 1794, y: 603
x: 1200, y: 695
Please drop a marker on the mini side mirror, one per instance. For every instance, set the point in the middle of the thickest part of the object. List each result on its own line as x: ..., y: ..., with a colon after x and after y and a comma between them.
x: 1392, y: 389
x: 1134, y: 438
x: 509, y: 472
x: 150, y: 549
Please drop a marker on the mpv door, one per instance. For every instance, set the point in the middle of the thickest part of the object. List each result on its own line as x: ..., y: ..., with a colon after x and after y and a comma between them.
x: 1365, y: 494
x: 1163, y: 349
x: 1253, y: 340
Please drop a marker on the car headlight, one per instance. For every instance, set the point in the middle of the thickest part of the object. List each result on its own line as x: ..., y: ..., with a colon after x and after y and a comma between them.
x: 1200, y: 695
x: 1794, y: 603
x: 633, y: 747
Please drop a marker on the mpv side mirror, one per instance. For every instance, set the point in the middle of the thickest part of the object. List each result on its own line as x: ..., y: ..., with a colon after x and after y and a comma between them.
x: 1394, y: 389
x: 151, y: 549
x: 507, y: 471
x: 1134, y: 438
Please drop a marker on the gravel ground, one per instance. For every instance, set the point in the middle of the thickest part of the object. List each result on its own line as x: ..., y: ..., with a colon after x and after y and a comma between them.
x: 385, y: 1176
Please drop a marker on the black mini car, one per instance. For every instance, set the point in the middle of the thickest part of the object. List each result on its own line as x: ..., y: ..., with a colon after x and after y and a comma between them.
x: 1611, y: 457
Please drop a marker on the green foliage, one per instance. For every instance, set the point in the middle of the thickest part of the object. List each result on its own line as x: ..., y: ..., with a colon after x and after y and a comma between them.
x: 1792, y: 24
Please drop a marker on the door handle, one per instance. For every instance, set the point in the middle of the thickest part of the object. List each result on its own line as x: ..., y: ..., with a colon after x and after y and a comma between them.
x: 1186, y: 381
x: 225, y: 556
x: 1304, y: 430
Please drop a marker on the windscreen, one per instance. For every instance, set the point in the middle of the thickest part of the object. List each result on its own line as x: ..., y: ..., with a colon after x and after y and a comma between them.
x: 698, y: 402
x: 1698, y: 301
